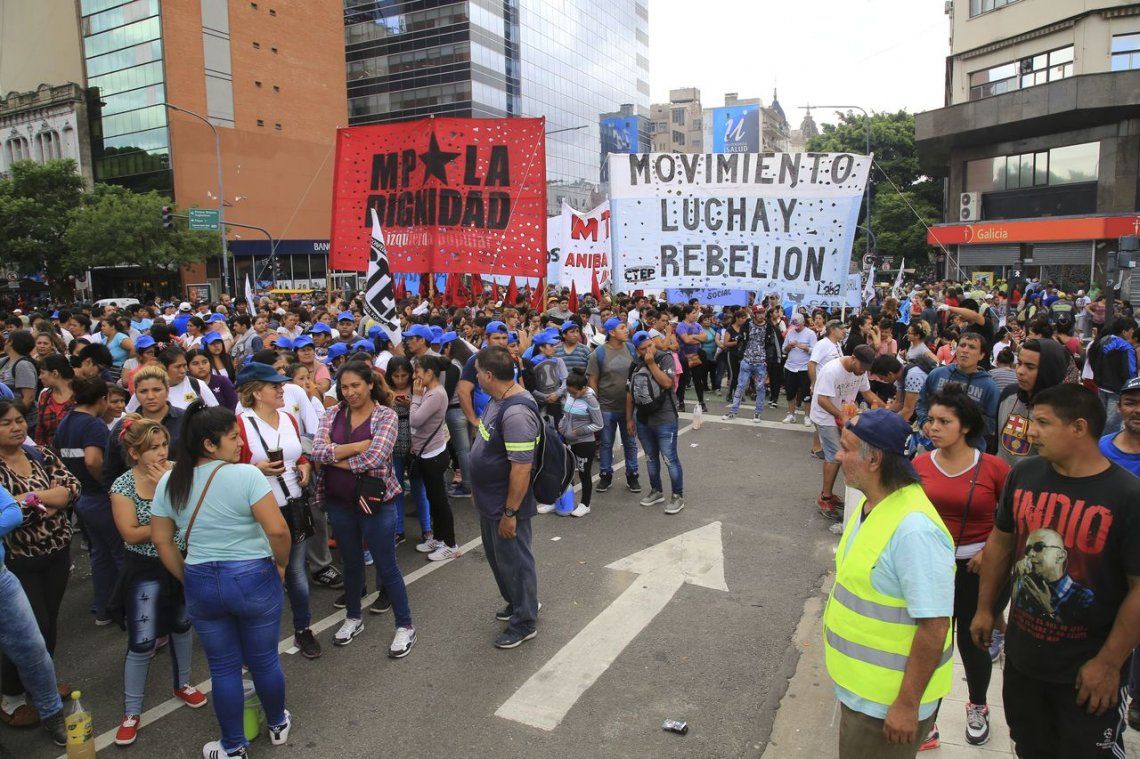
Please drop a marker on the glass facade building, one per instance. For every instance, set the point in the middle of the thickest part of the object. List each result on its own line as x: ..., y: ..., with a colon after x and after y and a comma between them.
x: 568, y: 60
x: 123, y: 55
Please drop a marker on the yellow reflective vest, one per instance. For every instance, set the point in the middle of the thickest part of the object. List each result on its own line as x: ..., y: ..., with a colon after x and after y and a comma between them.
x: 867, y: 634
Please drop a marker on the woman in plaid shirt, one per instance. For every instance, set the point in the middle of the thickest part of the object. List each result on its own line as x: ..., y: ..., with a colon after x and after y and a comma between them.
x: 355, y: 439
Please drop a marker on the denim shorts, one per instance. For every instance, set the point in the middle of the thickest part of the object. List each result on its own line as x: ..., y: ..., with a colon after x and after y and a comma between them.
x: 829, y: 439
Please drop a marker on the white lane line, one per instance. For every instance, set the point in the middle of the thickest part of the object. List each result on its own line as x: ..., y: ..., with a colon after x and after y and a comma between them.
x: 796, y: 426
x: 152, y: 715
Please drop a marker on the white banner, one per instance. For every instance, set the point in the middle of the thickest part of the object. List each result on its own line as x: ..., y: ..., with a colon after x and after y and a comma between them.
x: 854, y: 292
x: 584, y: 247
x: 763, y: 222
x: 553, y: 249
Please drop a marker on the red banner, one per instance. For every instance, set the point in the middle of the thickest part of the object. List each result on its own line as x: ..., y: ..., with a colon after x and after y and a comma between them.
x: 453, y: 195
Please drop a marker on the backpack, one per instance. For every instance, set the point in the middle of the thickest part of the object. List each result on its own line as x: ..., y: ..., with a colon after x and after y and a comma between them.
x: 544, y: 376
x: 648, y: 395
x: 39, y: 386
x: 554, y: 462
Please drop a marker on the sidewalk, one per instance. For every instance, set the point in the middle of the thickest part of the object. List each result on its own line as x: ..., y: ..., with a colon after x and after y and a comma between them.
x: 807, y: 723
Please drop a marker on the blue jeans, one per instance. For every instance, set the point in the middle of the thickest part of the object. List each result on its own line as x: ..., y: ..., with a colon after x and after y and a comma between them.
x: 661, y: 441
x: 350, y: 527
x: 106, y: 546
x: 148, y: 616
x: 423, y: 507
x: 747, y: 372
x: 460, y: 440
x: 236, y: 608
x: 21, y: 641
x: 612, y: 420
x: 297, y: 585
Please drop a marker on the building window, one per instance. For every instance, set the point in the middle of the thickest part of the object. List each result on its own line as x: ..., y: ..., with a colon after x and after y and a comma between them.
x: 1070, y: 164
x: 1126, y: 52
x: 257, y: 46
x: 17, y: 150
x: 978, y: 7
x: 1027, y: 72
x: 679, y: 116
x: 679, y: 138
x: 47, y: 146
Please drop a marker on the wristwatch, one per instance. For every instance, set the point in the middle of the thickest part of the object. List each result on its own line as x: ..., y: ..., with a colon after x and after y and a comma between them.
x: 509, y: 512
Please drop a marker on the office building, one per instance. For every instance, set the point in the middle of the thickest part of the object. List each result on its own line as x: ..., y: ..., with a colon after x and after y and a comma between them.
x: 678, y: 126
x: 45, y: 124
x: 1039, y: 138
x: 746, y: 125
x: 570, y: 61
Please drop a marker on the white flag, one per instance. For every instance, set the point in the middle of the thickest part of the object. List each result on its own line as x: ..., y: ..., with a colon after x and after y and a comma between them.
x: 249, y: 300
x: 896, y: 289
x: 379, y: 290
x: 869, y: 287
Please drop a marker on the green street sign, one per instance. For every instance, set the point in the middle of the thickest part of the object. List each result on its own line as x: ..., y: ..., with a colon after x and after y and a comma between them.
x: 203, y: 219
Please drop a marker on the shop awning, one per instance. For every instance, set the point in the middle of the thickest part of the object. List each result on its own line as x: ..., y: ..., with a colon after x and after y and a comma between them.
x: 1034, y: 230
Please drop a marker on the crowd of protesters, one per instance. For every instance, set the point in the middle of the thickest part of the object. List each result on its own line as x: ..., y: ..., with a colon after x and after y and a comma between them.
x: 208, y: 454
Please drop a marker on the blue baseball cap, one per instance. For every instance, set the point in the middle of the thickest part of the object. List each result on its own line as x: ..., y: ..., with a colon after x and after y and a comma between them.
x: 448, y: 337
x: 55, y: 314
x: 497, y: 326
x: 284, y: 344
x: 336, y: 350
x: 215, y: 318
x: 377, y: 331
x: 612, y: 323
x: 436, y: 332
x: 345, y: 316
x: 209, y: 337
x: 304, y: 341
x: 512, y: 338
x: 255, y: 371
x: 641, y: 336
x: 567, y: 326
x: 882, y: 429
x: 320, y: 328
x: 146, y: 341
x: 419, y: 330
x: 363, y: 345
x: 544, y: 339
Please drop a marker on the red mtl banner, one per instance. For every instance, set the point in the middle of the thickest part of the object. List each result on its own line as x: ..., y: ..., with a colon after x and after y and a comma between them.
x: 464, y: 196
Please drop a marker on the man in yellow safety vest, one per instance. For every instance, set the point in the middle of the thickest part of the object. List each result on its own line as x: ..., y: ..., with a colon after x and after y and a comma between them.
x: 887, y: 622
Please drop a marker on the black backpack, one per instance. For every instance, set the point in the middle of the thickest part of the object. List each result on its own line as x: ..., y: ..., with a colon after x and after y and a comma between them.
x: 554, y: 462
x: 648, y: 395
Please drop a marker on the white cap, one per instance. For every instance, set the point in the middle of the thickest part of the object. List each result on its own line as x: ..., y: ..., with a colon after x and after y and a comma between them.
x: 183, y: 306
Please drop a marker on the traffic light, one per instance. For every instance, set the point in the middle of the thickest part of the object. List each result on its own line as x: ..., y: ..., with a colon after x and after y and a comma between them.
x: 167, y: 218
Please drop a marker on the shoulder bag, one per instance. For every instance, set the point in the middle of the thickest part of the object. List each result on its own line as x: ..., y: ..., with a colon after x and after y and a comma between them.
x: 197, y: 508
x: 296, y: 510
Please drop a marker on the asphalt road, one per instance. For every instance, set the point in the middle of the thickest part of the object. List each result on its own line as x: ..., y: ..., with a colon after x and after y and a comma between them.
x: 718, y: 660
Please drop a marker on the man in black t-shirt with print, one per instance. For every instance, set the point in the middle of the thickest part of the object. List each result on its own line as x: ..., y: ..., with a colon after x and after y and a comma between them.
x: 1067, y: 534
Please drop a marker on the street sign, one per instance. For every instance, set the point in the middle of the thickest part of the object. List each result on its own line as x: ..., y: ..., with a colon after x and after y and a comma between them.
x: 203, y: 219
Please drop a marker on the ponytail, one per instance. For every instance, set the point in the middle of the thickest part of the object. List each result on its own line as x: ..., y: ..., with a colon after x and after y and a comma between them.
x: 199, y: 424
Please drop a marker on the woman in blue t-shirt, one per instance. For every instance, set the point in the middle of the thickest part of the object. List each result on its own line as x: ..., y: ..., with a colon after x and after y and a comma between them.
x: 117, y: 338
x: 237, y: 548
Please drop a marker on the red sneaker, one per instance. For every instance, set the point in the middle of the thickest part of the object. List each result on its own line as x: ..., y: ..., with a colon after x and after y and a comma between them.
x: 829, y: 509
x: 128, y: 730
x: 191, y: 696
x: 932, y: 739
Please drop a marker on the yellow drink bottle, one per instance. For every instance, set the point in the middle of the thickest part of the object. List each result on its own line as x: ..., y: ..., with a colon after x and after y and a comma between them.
x: 80, y: 730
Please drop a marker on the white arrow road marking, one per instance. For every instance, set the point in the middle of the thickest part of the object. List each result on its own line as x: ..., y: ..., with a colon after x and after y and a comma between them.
x: 695, y: 557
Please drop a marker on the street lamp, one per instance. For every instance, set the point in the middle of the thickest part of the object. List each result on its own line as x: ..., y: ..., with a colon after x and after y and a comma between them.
x: 867, y: 126
x: 221, y: 193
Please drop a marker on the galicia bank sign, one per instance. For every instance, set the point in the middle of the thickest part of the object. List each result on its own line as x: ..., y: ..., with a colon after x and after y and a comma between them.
x: 986, y: 234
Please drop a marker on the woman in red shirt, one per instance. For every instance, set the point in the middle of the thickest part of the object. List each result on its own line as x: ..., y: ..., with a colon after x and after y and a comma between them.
x: 964, y: 485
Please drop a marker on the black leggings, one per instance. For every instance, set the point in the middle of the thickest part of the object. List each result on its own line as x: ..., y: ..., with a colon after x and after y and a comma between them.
x: 585, y: 452
x: 689, y: 374
x: 44, y: 579
x: 975, y: 661
x: 775, y: 380
x: 432, y: 471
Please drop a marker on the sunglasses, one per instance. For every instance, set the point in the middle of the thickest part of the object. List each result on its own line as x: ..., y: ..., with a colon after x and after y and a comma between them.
x: 1040, y: 546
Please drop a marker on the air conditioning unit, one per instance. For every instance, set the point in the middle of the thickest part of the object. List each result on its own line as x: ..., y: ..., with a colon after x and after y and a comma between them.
x: 970, y: 206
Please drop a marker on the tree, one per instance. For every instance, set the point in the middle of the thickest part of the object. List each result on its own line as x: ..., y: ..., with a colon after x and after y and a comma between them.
x: 116, y: 226
x: 897, y: 230
x: 35, y: 206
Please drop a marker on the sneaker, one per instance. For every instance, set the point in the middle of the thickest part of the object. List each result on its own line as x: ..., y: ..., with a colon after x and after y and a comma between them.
x: 338, y: 602
x: 504, y: 614
x: 24, y: 715
x: 756, y: 418
x: 279, y: 735
x: 400, y: 538
x: 676, y: 503
x: 654, y: 497
x: 729, y: 415
x: 545, y: 508
x: 402, y: 643
x: 580, y: 510
x: 512, y: 638
x: 458, y: 491
x: 381, y: 605
x: 633, y: 483
x: 997, y: 641
x: 307, y: 643
x: 128, y: 730
x: 808, y: 422
x: 828, y: 509
x: 368, y: 560
x: 102, y: 620
x: 977, y: 724
x: 931, y: 740
x: 349, y: 629
x: 605, y: 482
x: 56, y: 729
x: 330, y: 577
x: 191, y: 696
x: 214, y: 750
x: 790, y: 419
x: 772, y: 404
x: 444, y: 553
x: 704, y: 407
x: 429, y: 545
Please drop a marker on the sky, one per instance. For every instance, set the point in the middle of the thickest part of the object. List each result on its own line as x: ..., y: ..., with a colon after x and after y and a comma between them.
x: 883, y: 55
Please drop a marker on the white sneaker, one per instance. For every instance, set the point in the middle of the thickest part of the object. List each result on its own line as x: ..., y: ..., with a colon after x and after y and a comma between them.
x: 349, y: 629
x: 790, y: 419
x: 402, y: 643
x: 729, y: 415
x: 444, y: 552
x: 279, y: 736
x: 676, y: 503
x: 214, y: 750
x: 580, y: 510
x: 807, y: 421
x: 545, y: 508
x: 430, y: 545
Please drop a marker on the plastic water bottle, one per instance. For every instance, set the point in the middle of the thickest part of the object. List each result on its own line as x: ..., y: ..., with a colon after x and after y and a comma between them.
x: 80, y: 730
x: 252, y: 717
x: 698, y: 417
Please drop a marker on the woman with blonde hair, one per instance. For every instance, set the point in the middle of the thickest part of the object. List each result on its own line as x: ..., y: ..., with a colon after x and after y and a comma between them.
x: 155, y: 605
